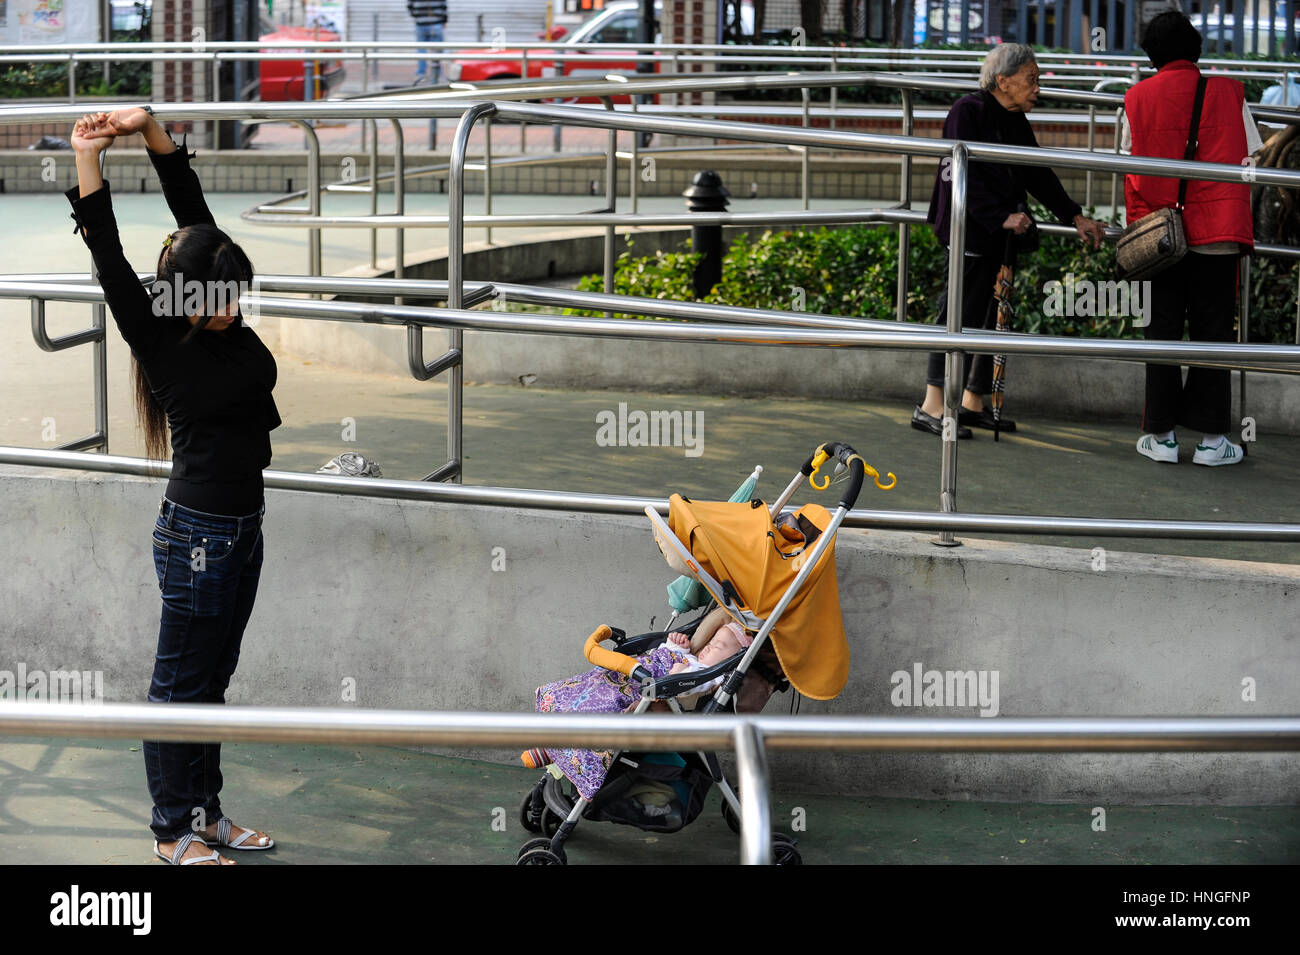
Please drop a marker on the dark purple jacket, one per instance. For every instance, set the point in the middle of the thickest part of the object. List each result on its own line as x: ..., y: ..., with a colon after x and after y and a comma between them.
x: 993, y: 189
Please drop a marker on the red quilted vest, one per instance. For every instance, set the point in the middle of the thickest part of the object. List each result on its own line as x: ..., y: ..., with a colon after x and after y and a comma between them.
x: 1159, y: 114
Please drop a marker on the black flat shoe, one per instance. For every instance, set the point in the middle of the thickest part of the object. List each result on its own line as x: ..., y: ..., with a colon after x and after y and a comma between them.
x: 984, y: 419
x: 924, y: 422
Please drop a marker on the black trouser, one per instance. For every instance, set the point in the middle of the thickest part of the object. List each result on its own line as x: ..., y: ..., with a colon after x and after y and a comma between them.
x: 977, y: 297
x: 1199, y: 292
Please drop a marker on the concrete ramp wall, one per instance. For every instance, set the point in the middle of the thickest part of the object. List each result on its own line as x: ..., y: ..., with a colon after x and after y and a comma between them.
x: 448, y: 607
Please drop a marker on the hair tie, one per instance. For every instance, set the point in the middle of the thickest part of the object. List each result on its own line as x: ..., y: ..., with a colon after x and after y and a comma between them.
x: 168, y: 241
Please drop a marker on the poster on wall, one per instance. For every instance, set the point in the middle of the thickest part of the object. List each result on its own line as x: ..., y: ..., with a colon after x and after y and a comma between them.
x: 41, y: 21
x: 50, y: 21
x: 328, y: 15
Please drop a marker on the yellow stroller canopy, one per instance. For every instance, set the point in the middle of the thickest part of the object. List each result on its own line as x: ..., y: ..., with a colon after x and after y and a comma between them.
x: 755, y: 561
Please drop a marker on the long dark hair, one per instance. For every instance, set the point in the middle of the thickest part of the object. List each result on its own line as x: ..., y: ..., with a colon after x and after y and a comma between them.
x: 198, y: 253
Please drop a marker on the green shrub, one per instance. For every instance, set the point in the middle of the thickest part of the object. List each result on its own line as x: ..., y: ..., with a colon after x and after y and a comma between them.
x: 40, y: 80
x: 852, y: 271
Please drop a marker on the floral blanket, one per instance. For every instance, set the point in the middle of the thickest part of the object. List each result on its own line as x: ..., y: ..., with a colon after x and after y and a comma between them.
x: 597, y: 691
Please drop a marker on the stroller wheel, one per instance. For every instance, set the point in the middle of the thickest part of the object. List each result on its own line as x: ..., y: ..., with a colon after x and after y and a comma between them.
x: 541, y: 857
x: 784, y: 851
x: 550, y: 822
x: 530, y: 818
x: 532, y: 845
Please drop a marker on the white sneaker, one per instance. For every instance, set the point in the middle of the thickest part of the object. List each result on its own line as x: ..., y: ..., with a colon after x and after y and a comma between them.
x: 1225, y: 453
x: 1157, y: 450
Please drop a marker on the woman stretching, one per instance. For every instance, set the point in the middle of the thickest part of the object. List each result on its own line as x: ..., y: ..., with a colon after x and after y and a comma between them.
x: 201, y: 371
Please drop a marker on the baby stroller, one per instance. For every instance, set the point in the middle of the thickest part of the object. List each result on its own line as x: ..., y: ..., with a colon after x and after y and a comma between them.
x: 772, y: 573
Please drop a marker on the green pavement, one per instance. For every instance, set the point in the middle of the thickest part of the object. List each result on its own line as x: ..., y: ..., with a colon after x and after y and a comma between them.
x: 530, y: 437
x: 83, y: 802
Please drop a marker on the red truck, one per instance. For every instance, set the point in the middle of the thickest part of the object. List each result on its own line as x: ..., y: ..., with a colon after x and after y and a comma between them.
x: 617, y: 23
x: 283, y: 79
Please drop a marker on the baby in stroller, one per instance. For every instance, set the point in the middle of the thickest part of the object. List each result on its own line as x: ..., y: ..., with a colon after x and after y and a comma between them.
x: 716, y: 640
x: 728, y: 640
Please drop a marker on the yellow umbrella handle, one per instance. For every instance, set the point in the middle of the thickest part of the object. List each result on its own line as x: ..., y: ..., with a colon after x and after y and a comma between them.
x: 847, y: 457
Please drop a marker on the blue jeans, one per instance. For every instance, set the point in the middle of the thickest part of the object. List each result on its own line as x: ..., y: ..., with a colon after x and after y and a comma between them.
x: 431, y: 33
x: 208, y: 567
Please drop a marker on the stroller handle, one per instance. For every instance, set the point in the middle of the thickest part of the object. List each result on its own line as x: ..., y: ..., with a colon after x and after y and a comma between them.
x: 850, y: 459
x: 610, y: 659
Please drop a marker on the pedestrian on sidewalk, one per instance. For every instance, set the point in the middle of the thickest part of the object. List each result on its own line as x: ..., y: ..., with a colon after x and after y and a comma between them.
x: 200, y: 371
x: 995, y: 204
x: 430, y: 23
x: 1198, y: 293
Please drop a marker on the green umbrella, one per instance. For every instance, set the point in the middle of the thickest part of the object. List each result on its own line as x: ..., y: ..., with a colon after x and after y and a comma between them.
x: 687, y: 593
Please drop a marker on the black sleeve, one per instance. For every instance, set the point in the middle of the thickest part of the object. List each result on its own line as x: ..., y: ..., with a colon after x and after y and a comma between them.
x: 124, y: 294
x: 986, y: 200
x: 181, y: 187
x: 1043, y: 184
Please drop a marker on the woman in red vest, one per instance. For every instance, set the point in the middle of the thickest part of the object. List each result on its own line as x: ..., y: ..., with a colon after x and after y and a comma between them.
x: 1199, y: 292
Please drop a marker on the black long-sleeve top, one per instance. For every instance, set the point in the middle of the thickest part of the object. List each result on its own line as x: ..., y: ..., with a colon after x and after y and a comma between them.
x: 993, y: 190
x: 216, y: 387
x: 427, y: 12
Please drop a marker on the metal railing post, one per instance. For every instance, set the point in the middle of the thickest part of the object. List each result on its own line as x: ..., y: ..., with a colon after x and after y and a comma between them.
x: 72, y: 77
x: 399, y: 200
x: 755, y: 801
x: 1092, y: 142
x: 99, y: 366
x: 805, y: 167
x: 523, y: 74
x: 611, y: 199
x: 374, y: 188
x: 905, y: 202
x: 1114, y: 176
x: 313, y: 195
x: 835, y: 68
x: 99, y: 352
x: 557, y: 131
x: 1243, y: 331
x: 487, y: 175
x: 952, y: 382
x: 634, y: 168
x: 95, y: 335
x: 456, y: 277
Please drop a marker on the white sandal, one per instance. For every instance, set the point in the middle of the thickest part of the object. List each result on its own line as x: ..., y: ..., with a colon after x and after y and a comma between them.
x: 224, y: 826
x: 181, y: 847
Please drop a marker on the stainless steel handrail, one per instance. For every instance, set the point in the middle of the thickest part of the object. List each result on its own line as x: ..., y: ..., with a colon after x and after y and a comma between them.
x: 757, y: 132
x: 537, y: 499
x: 748, y: 736
x: 880, y: 335
x: 959, y: 152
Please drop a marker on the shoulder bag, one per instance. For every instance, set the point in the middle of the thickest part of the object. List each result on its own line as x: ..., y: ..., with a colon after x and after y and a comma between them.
x: 1158, y: 240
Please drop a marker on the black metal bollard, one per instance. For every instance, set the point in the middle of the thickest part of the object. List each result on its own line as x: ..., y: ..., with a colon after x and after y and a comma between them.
x: 707, y: 194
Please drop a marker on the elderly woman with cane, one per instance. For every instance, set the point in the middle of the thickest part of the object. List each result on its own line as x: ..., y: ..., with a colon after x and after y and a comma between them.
x: 995, y: 209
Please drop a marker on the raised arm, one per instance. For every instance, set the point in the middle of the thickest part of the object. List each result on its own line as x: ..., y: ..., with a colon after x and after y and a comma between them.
x: 92, y: 208
x: 181, y: 187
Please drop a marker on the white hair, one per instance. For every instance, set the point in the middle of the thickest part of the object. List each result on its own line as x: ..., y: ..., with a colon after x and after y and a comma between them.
x: 1005, y: 59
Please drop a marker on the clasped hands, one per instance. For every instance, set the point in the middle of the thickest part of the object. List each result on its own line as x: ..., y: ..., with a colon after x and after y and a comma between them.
x: 95, y: 132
